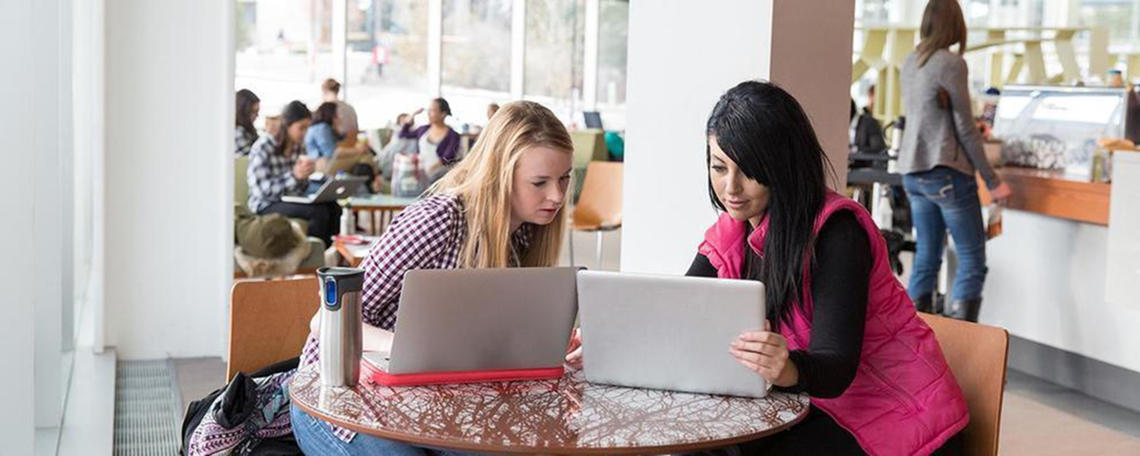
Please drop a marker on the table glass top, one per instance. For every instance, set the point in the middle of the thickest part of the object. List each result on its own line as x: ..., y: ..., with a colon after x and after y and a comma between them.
x: 567, y: 414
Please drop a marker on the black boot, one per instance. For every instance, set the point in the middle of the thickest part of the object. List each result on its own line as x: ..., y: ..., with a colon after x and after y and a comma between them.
x: 924, y: 303
x: 965, y: 309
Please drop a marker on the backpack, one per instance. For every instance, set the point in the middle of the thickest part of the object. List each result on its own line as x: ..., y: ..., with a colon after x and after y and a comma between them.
x: 233, y: 406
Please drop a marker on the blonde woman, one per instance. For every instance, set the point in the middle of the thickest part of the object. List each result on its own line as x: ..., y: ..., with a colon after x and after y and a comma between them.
x: 502, y: 206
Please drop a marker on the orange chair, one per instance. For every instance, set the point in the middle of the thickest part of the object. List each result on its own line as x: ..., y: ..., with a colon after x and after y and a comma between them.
x: 599, y: 206
x: 269, y: 321
x: 977, y: 355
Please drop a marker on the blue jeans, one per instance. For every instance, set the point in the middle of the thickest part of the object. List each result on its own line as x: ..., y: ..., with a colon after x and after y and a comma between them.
x: 945, y: 199
x: 316, y: 438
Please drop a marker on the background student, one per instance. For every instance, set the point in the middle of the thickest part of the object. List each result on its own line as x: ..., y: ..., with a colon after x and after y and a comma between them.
x: 346, y: 127
x: 503, y: 207
x: 320, y: 139
x: 245, y: 114
x: 437, y: 143
x: 278, y: 166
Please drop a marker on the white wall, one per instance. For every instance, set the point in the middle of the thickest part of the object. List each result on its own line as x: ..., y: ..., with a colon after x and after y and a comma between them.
x: 16, y: 387
x: 681, y: 59
x: 1046, y: 283
x: 48, y: 221
x: 87, y: 36
x: 168, y: 190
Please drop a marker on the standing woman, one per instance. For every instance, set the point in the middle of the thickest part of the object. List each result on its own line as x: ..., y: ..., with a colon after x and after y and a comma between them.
x: 501, y: 208
x: 278, y: 166
x: 437, y: 143
x: 839, y: 326
x: 941, y: 149
x: 248, y: 106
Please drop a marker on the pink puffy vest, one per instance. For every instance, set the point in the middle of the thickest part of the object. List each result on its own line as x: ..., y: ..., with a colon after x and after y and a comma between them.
x: 904, y: 399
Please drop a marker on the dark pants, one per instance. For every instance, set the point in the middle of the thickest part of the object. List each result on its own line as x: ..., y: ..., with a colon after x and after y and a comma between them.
x: 323, y: 218
x: 816, y: 434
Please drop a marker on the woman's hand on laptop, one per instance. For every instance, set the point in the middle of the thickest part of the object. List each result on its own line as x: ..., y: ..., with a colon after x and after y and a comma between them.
x: 574, y: 351
x: 766, y: 353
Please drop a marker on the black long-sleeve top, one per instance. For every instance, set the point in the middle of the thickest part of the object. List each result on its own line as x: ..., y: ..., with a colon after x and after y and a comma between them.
x: 840, y: 275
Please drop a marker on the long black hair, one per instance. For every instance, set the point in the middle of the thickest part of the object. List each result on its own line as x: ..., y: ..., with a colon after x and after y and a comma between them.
x: 245, y: 101
x: 766, y: 133
x: 294, y: 112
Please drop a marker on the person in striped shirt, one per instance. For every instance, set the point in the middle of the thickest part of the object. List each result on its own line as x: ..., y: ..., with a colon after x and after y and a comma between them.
x: 501, y: 206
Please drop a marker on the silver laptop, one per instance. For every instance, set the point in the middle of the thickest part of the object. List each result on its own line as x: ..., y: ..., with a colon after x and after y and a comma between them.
x: 482, y: 319
x: 668, y: 332
x: 331, y: 190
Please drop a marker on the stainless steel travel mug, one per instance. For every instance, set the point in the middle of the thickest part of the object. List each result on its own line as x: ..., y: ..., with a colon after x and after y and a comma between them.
x: 340, y: 339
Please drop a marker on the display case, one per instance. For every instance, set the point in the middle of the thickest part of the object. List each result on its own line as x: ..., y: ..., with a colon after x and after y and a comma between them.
x: 1056, y: 128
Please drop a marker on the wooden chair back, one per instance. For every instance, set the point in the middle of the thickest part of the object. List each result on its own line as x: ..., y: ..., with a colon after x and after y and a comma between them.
x: 269, y: 321
x: 599, y: 206
x: 977, y: 355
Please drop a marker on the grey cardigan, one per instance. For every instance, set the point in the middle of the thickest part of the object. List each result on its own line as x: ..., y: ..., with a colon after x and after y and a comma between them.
x: 936, y: 136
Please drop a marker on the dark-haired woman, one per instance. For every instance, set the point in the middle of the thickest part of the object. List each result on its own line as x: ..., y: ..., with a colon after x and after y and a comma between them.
x: 278, y: 166
x: 941, y: 149
x: 248, y: 106
x: 437, y: 143
x: 840, y: 327
x: 320, y: 139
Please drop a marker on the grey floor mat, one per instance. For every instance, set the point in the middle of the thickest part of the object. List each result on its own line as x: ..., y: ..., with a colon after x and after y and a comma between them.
x: 148, y: 418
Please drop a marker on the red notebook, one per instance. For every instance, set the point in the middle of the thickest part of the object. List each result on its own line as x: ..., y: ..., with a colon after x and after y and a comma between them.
x: 377, y: 374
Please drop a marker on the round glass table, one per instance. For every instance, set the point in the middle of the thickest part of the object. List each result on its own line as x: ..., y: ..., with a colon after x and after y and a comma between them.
x: 564, y: 416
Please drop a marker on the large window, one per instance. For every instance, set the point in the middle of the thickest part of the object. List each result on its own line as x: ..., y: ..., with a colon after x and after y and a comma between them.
x: 476, y: 53
x: 613, y: 32
x: 386, y: 58
x: 284, y: 49
x: 554, y: 48
x: 1120, y: 17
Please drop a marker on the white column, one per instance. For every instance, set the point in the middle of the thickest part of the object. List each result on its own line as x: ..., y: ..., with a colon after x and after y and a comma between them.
x: 17, y: 26
x: 67, y: 177
x: 804, y: 46
x: 518, y: 48
x: 47, y: 215
x: 168, y: 187
x: 340, y: 45
x: 223, y: 234
x: 98, y: 174
x: 590, y: 60
x: 435, y: 46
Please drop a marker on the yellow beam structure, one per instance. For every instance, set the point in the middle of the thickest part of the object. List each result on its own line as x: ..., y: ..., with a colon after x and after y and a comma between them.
x: 885, y: 48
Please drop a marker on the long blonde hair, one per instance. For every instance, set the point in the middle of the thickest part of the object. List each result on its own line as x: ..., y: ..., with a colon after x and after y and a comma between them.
x: 942, y: 26
x: 483, y: 182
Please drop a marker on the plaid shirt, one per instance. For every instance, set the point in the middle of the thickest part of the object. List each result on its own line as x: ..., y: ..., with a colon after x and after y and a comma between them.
x: 270, y: 175
x: 426, y: 235
x: 243, y: 140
